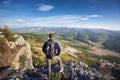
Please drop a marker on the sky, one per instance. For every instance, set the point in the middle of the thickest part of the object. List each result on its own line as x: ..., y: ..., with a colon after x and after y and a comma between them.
x: 103, y: 14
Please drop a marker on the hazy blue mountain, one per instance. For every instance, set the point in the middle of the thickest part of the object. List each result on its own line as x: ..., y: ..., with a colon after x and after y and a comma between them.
x: 109, y: 38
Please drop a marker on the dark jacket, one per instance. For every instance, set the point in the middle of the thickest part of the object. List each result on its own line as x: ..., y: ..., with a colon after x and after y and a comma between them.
x: 56, y: 45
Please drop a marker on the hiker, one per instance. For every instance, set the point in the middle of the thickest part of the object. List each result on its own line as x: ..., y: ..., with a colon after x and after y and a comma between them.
x: 52, y: 51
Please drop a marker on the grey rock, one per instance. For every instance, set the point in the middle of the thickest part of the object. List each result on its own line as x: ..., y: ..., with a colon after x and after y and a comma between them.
x: 77, y: 71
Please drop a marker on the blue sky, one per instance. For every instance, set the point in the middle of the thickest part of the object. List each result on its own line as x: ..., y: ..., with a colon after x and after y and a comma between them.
x: 61, y: 13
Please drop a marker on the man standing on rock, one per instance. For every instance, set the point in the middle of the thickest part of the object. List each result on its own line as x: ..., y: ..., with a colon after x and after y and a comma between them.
x: 52, y: 51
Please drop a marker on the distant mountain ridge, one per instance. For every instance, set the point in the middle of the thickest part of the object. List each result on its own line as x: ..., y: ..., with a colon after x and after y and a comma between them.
x: 55, y: 29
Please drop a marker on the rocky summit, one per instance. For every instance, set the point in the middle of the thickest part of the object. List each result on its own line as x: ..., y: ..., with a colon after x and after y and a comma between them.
x: 73, y: 70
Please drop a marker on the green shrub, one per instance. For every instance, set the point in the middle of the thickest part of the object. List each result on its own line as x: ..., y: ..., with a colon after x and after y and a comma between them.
x: 8, y: 34
x: 67, y: 57
x: 54, y: 76
x: 22, y: 60
x: 32, y: 44
x: 38, y: 59
x: 112, y: 59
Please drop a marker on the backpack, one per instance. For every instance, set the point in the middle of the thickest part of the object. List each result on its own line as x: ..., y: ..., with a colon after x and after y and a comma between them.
x: 50, y: 49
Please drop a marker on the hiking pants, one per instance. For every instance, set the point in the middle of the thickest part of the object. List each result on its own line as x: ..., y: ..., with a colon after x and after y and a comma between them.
x: 49, y: 63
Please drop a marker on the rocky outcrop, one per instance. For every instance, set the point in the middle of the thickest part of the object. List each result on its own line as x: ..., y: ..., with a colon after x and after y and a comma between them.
x: 71, y: 50
x: 73, y: 70
x: 26, y: 55
x: 112, y: 70
x: 6, y: 55
x: 81, y: 71
x: 17, y: 54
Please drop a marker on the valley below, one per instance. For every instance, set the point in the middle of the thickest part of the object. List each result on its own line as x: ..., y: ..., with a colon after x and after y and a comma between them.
x: 100, y: 50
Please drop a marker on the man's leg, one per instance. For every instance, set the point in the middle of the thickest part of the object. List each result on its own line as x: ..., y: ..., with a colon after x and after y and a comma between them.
x: 49, y: 66
x: 59, y: 62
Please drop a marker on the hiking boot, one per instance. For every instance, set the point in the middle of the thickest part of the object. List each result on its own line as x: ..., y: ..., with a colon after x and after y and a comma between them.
x: 61, y: 70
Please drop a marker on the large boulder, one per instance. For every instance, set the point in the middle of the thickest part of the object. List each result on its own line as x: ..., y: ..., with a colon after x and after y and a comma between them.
x: 24, y: 58
x: 17, y: 54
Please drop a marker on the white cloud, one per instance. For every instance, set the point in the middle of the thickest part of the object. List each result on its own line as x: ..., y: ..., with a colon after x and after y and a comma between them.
x: 95, y: 16
x: 79, y: 21
x: 44, y: 7
x: 63, y: 18
x: 66, y: 18
x: 20, y: 20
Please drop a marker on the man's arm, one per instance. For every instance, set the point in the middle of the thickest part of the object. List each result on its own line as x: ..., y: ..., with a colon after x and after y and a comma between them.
x: 44, y: 47
x: 57, y: 46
